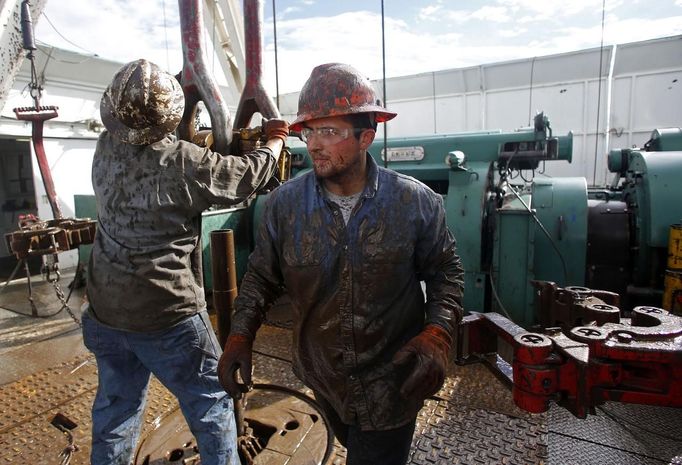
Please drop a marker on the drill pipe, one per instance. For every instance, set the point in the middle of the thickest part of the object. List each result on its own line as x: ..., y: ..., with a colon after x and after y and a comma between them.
x: 224, y: 268
x: 224, y: 271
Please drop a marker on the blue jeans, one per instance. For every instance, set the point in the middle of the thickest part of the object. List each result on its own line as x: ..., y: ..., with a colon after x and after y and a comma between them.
x: 185, y: 359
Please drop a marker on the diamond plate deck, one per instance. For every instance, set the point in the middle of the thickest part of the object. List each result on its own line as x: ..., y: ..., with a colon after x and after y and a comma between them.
x: 453, y: 434
x: 29, y: 404
x: 618, y: 434
x: 472, y: 420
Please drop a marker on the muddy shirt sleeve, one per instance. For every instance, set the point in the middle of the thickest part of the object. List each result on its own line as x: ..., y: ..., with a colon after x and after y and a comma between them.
x: 263, y: 282
x: 439, y: 266
x: 229, y: 180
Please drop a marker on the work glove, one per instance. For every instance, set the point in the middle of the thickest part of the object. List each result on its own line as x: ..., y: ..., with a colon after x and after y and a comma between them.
x: 276, y: 128
x: 236, y: 356
x: 427, y: 353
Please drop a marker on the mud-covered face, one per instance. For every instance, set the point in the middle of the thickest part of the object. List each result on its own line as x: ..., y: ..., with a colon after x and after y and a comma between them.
x: 336, y: 148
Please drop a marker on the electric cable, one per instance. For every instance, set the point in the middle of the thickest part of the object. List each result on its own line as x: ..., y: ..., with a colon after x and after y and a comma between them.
x: 497, y: 297
x: 274, y: 28
x: 276, y: 357
x: 639, y: 454
x: 383, y: 64
x: 165, y: 34
x: 62, y: 35
x: 542, y: 171
x: 620, y: 420
x: 542, y: 227
x: 20, y: 313
x: 41, y: 78
x: 505, y: 170
x: 213, y: 25
x: 601, y: 57
x: 45, y: 45
x: 504, y: 174
x: 530, y: 97
x: 524, y: 178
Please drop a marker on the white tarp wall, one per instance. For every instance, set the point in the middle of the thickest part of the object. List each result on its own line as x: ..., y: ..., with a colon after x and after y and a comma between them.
x: 641, y: 90
x: 75, y: 84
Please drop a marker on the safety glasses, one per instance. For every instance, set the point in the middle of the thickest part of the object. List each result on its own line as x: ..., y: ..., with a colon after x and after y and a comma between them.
x: 328, y: 136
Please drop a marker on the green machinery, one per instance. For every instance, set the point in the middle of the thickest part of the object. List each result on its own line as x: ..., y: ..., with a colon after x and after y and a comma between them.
x: 511, y: 231
x: 631, y: 220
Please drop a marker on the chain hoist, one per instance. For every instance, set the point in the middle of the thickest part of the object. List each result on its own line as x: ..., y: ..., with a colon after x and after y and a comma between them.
x: 38, y: 113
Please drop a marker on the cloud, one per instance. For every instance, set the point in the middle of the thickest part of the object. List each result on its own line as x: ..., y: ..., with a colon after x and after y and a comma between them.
x: 437, y: 13
x: 112, y: 33
x: 430, y: 12
x: 546, y: 10
x: 431, y: 37
x: 505, y: 11
x: 616, y: 32
x: 496, y: 14
x: 287, y: 11
x: 355, y: 38
x: 512, y: 32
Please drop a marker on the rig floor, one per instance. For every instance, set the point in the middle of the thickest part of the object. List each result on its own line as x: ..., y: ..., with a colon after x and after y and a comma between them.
x: 47, y: 373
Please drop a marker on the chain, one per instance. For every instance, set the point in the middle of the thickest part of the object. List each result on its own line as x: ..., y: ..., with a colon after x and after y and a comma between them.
x: 35, y: 89
x: 65, y: 304
x: 52, y: 266
x: 34, y: 309
x: 66, y: 454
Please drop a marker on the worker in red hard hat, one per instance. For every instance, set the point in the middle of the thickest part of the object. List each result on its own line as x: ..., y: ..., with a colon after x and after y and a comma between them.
x: 351, y: 242
x: 147, y: 311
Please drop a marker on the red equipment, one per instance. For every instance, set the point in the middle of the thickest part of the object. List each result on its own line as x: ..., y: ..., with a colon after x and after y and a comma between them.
x: 632, y: 360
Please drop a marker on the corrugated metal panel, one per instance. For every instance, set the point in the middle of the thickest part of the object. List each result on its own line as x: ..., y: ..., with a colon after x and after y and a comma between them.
x: 639, y: 57
x: 570, y: 88
x: 409, y: 87
x: 418, y: 118
x: 657, y: 100
x: 450, y: 114
x: 455, y: 81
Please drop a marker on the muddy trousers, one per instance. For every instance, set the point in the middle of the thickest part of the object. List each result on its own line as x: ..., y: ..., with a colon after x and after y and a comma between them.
x: 390, y: 447
x: 185, y: 359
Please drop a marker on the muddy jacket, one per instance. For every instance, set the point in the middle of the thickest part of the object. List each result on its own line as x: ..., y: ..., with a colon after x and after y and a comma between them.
x: 355, y: 289
x: 145, y: 269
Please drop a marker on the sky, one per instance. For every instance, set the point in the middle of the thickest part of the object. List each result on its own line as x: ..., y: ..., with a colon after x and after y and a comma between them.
x: 420, y: 35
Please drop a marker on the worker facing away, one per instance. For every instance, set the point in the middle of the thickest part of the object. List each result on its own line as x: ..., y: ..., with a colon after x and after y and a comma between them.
x: 147, y: 311
x: 351, y: 242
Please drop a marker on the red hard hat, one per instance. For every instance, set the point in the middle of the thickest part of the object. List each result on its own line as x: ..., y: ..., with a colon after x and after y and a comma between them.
x: 336, y: 89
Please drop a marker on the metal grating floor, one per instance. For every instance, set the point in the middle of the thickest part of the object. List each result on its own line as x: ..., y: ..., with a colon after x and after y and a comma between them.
x: 472, y: 420
x: 619, y: 434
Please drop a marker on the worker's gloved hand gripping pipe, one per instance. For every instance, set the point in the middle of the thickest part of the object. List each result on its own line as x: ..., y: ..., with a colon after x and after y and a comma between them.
x: 276, y: 128
x: 428, y: 353
x: 237, y: 356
